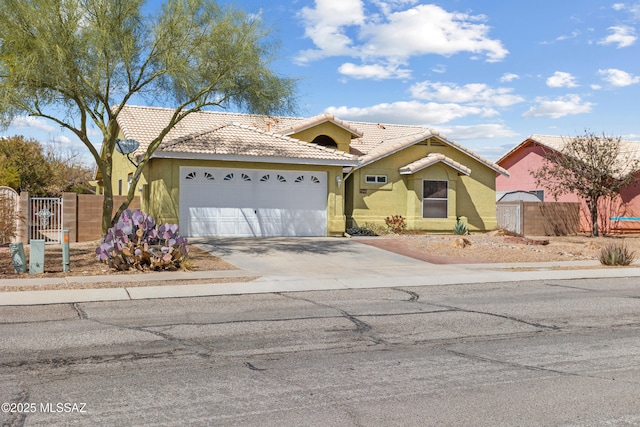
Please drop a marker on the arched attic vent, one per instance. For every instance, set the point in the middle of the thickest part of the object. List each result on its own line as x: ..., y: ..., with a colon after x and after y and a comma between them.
x: 325, y: 141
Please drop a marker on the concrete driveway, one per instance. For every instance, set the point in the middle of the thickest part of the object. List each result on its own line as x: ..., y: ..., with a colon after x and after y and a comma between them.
x: 312, y: 258
x: 314, y: 263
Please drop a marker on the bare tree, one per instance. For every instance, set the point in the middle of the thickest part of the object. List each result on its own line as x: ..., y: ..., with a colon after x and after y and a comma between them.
x: 591, y: 166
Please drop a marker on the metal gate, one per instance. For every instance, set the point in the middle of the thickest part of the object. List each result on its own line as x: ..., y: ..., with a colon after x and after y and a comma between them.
x: 45, y: 219
x: 508, y: 217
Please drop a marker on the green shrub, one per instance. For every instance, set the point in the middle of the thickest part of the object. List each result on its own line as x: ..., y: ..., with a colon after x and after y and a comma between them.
x: 8, y: 218
x: 395, y: 224
x: 367, y: 229
x: 460, y: 228
x: 616, y: 254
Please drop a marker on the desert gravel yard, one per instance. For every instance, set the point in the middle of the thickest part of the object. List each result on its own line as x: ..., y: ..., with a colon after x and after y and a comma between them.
x: 443, y: 249
x: 494, y: 248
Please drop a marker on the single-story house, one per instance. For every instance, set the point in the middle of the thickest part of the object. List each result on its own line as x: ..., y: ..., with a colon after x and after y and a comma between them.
x: 529, y: 156
x: 230, y: 174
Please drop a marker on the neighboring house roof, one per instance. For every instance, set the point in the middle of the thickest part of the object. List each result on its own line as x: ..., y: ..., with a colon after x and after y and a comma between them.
x: 370, y: 141
x: 430, y: 160
x: 557, y: 143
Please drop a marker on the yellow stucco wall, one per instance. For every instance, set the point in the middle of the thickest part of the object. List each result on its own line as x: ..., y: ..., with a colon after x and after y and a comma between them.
x: 122, y: 167
x: 163, y: 193
x: 470, y: 196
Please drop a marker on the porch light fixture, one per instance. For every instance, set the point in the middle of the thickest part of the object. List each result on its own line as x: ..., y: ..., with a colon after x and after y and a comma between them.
x: 339, y: 180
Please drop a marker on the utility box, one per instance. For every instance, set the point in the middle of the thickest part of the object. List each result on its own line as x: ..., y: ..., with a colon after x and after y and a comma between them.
x: 18, y: 259
x: 36, y: 256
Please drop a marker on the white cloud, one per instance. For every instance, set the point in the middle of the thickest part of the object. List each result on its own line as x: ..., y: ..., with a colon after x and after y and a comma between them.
x: 561, y: 79
x: 412, y: 112
x: 618, y: 78
x: 633, y: 9
x: 373, y: 71
x: 509, y: 77
x: 326, y: 26
x: 429, y: 29
x: 573, y: 35
x: 477, y: 94
x: 343, y: 28
x: 482, y: 131
x: 62, y: 139
x: 440, y: 69
x: 623, y: 36
x: 28, y: 122
x: 559, y: 107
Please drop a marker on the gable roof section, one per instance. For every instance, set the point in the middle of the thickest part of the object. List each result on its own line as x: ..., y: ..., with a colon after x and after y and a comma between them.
x: 556, y: 143
x: 431, y: 160
x: 235, y: 141
x: 549, y: 141
x: 319, y: 119
x: 371, y: 141
x: 397, y: 137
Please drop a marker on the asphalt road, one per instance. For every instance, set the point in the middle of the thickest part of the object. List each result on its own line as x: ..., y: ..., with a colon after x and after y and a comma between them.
x: 534, y: 353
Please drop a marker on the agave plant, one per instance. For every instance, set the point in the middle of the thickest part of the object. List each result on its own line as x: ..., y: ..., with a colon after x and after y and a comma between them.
x: 460, y: 228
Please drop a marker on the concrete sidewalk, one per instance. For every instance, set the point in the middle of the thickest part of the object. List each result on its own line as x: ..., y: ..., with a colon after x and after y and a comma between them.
x: 289, y: 265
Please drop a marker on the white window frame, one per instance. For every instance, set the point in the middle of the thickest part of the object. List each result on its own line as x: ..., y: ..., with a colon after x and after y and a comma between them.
x: 375, y: 179
x: 445, y: 199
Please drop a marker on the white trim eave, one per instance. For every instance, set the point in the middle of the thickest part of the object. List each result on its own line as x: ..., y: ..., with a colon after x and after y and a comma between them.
x: 452, y: 166
x: 255, y: 159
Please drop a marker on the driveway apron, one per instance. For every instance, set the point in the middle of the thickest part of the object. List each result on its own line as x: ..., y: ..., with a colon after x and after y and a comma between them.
x: 312, y: 258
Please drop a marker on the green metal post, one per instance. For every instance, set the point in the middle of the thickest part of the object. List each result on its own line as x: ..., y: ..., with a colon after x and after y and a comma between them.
x: 17, y: 257
x: 65, y: 251
x: 36, y: 256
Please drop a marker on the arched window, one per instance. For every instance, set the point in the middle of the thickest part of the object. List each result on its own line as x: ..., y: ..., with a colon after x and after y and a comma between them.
x: 325, y: 141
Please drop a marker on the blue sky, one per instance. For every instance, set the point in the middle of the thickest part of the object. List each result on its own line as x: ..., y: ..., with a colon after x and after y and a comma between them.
x: 486, y: 74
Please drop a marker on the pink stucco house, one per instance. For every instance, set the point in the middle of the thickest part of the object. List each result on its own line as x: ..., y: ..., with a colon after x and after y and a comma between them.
x: 616, y: 216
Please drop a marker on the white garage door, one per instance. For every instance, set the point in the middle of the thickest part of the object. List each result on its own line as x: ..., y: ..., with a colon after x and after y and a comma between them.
x: 252, y: 203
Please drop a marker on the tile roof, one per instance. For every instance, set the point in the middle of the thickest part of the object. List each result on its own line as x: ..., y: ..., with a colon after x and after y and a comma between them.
x: 371, y: 141
x: 557, y: 143
x: 322, y: 118
x: 235, y: 139
x: 432, y: 159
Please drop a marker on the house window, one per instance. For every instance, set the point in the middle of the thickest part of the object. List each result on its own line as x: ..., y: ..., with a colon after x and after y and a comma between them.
x: 434, y: 199
x: 119, y: 187
x: 375, y: 179
x: 129, y: 181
